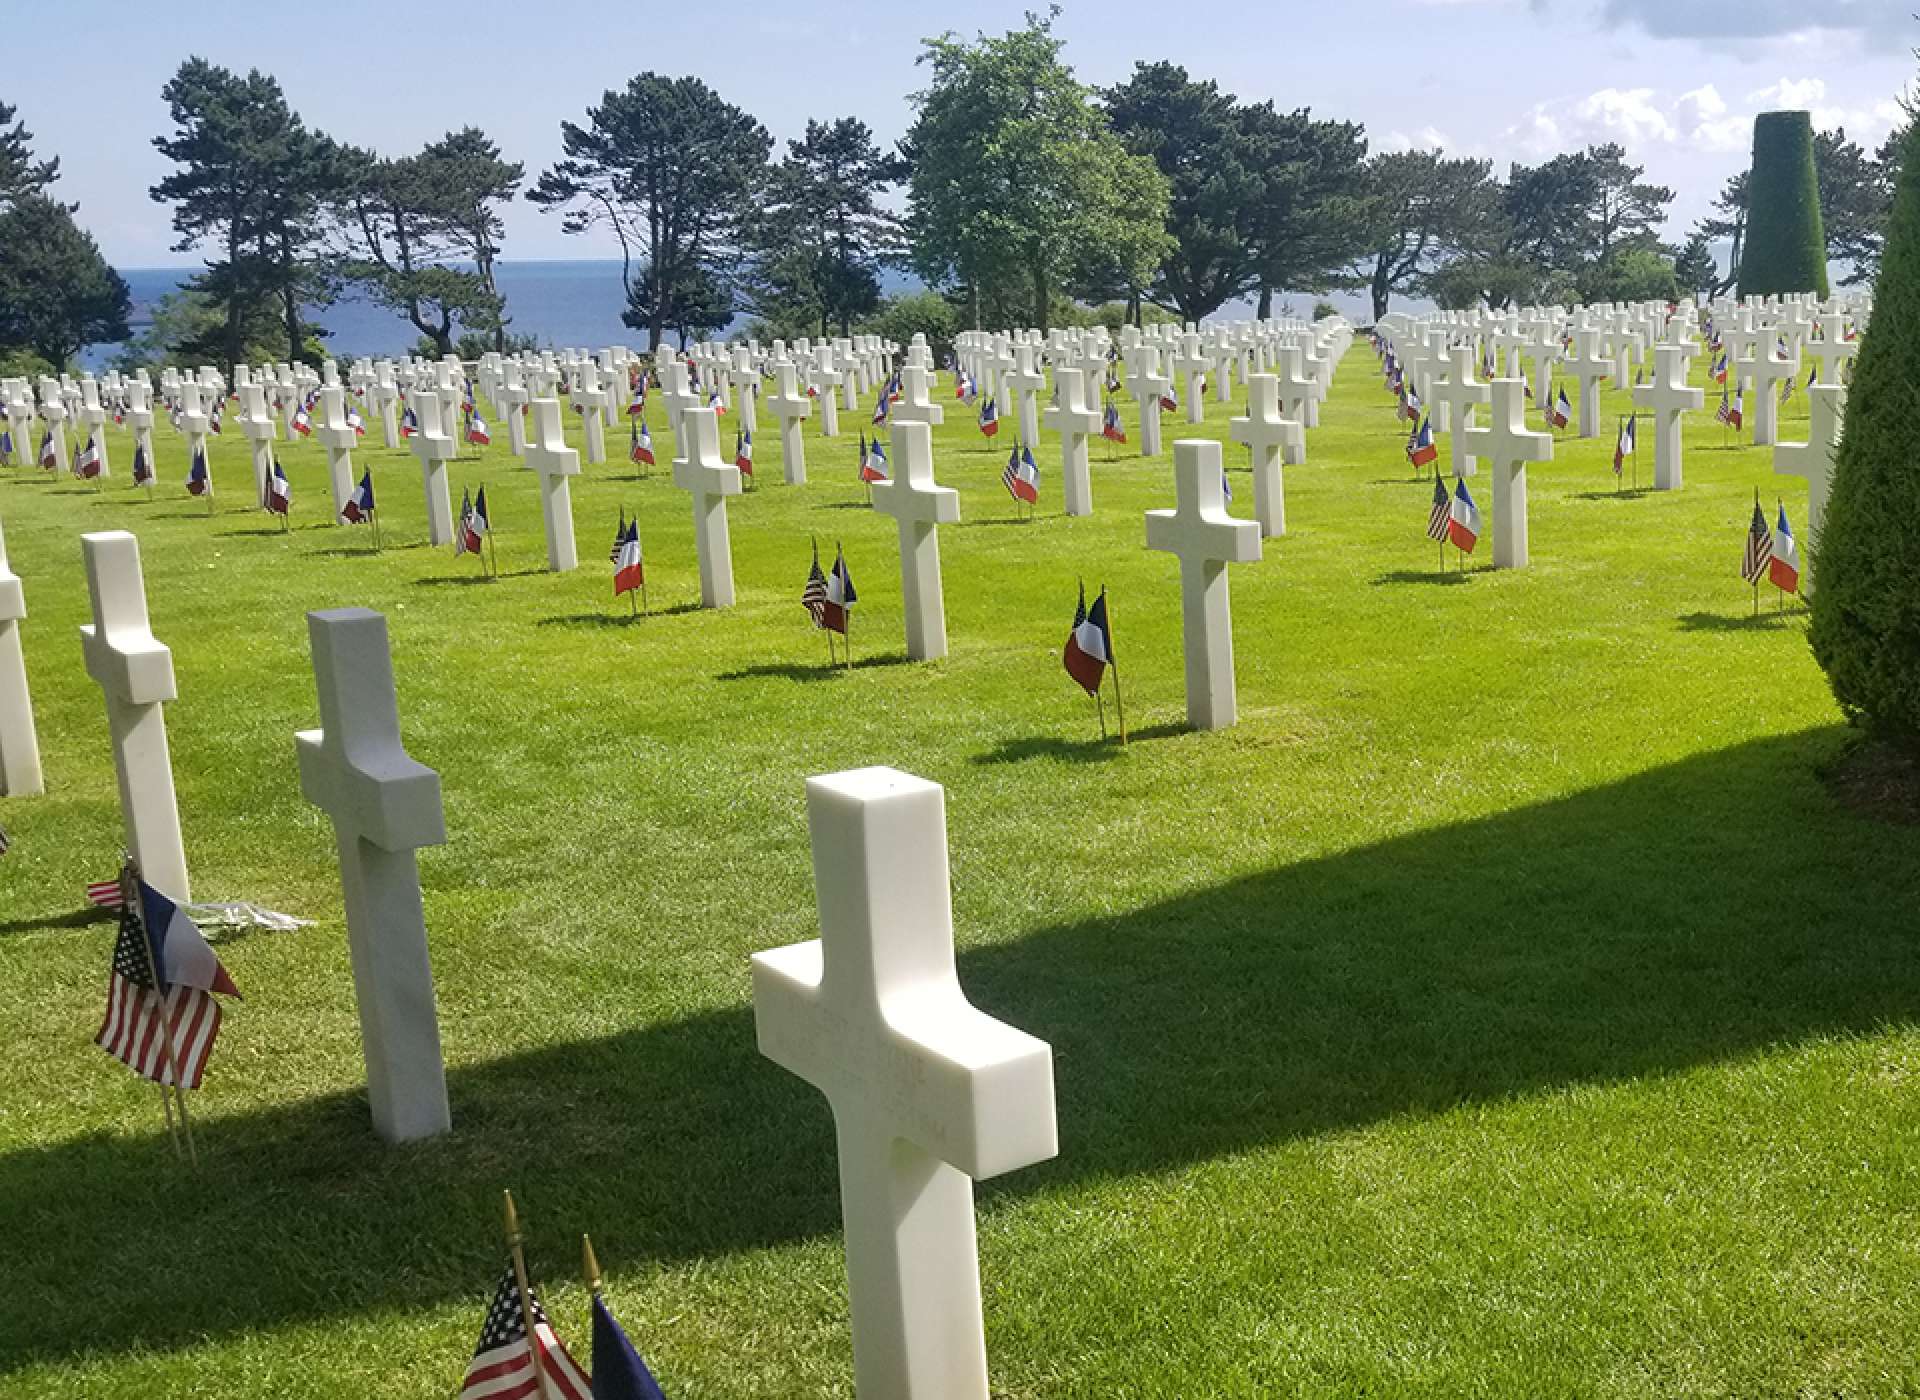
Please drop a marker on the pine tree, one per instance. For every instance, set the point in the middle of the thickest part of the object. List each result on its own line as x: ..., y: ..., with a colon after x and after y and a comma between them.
x: 1866, y: 612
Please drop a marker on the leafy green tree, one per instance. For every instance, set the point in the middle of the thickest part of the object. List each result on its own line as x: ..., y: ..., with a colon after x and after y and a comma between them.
x: 1422, y: 211
x: 1866, y: 610
x: 20, y: 174
x: 57, y: 294
x: 186, y: 328
x: 1786, y: 250
x: 900, y: 318
x: 249, y: 179
x: 1695, y: 268
x: 1194, y: 134
x: 820, y: 235
x: 1632, y: 274
x: 1856, y: 196
x: 407, y: 223
x: 1625, y: 211
x: 1311, y: 221
x: 671, y: 169
x: 1547, y: 209
x: 1018, y: 184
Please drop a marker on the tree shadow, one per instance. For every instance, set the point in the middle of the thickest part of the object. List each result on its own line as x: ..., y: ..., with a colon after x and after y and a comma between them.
x: 347, y: 551
x: 1766, y: 620
x: 1426, y: 576
x: 469, y: 580
x: 1630, y: 493
x: 1611, y: 936
x: 843, y: 505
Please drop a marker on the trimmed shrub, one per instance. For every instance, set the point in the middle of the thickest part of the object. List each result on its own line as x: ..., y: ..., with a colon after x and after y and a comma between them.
x: 1866, y: 607
x: 1786, y: 249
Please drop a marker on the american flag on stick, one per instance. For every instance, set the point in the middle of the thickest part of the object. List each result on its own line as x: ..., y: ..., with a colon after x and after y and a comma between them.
x: 503, y: 1366
x: 161, y: 959
x: 1759, y: 552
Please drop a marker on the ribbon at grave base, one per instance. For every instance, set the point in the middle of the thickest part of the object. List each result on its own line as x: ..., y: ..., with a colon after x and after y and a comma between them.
x: 215, y: 914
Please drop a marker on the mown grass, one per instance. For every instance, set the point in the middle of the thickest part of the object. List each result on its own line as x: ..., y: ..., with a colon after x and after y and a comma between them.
x: 1502, y: 1008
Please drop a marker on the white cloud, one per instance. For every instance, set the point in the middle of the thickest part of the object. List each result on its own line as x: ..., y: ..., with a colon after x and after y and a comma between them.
x: 1427, y: 138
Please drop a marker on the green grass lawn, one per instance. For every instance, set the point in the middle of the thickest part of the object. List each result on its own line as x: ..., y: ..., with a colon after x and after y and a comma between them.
x: 1502, y: 1008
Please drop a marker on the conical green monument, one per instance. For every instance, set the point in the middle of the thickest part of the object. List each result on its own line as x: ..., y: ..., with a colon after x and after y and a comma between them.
x: 1786, y: 247
x: 1866, y: 612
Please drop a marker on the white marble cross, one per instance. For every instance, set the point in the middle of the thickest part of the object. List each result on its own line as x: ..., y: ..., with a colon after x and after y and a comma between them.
x: 1592, y: 369
x: 1667, y: 397
x: 919, y: 506
x: 384, y: 807
x: 140, y: 421
x: 823, y: 379
x: 93, y: 417
x: 1833, y: 349
x: 1024, y: 383
x: 1506, y: 444
x: 135, y: 672
x: 700, y: 470
x: 1074, y: 419
x: 549, y: 455
x: 1764, y: 372
x: 1814, y: 460
x: 435, y: 447
x: 792, y: 408
x: 19, y: 743
x: 386, y: 398
x: 339, y: 439
x: 1192, y: 361
x: 928, y: 1093
x: 1300, y: 391
x: 1461, y: 393
x: 1266, y: 433
x: 916, y: 406
x: 676, y: 391
x: 259, y: 427
x: 1146, y: 383
x: 509, y: 396
x: 1206, y: 539
x: 592, y: 402
x: 746, y: 385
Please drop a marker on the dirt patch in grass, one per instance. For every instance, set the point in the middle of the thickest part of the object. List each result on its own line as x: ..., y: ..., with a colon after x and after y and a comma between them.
x: 1876, y: 780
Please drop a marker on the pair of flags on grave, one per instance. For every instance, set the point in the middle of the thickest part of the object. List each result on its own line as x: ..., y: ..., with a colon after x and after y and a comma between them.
x: 199, y: 480
x: 474, y: 524
x: 1772, y: 554
x: 1089, y: 649
x: 829, y: 599
x: 1454, y: 518
x: 1627, y: 444
x: 1110, y: 427
x: 873, y: 461
x: 1421, y: 448
x: 278, y: 497
x: 359, y: 507
x: 1732, y: 410
x: 1022, y: 476
x: 504, y: 1365
x: 641, y: 450
x: 629, y: 568
x: 162, y: 1015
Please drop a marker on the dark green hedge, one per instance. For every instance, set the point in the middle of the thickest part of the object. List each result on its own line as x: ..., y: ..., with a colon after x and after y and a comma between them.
x: 1786, y: 249
x: 1866, y: 568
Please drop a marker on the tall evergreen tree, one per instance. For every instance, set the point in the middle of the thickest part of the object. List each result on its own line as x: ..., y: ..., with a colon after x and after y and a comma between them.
x: 57, y: 294
x: 249, y: 179
x: 1866, y: 609
x: 1786, y: 250
x: 20, y: 174
x: 670, y: 168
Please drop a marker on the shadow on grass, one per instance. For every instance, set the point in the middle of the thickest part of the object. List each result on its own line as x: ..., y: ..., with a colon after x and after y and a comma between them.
x: 613, y: 619
x: 1631, y: 493
x: 1430, y: 576
x: 1766, y: 620
x: 843, y: 505
x: 1611, y: 935
x: 354, y: 551
x: 468, y: 580
x: 1094, y: 750
x: 79, y: 918
x: 821, y: 671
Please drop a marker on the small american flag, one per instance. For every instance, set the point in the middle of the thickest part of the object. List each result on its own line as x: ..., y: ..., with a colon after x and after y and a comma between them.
x: 502, y: 1365
x: 1753, y: 563
x: 106, y: 893
x: 1442, y: 510
x: 6, y: 842
x: 813, y: 597
x: 131, y: 1031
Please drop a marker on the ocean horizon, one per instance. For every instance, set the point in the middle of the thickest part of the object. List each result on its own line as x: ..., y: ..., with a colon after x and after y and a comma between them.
x: 560, y: 302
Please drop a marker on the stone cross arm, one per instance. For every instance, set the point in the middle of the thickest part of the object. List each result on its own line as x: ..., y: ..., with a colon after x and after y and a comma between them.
x: 122, y: 654
x: 354, y: 766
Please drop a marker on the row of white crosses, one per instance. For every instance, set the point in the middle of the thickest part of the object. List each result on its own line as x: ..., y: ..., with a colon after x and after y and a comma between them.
x: 928, y: 1093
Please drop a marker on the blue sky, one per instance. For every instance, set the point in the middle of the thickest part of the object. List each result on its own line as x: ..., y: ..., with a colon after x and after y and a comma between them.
x: 1676, y: 81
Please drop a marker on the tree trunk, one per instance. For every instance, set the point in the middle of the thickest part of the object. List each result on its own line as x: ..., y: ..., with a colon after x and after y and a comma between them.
x: 1263, y: 310
x: 232, y: 338
x: 289, y: 298
x: 1382, y: 289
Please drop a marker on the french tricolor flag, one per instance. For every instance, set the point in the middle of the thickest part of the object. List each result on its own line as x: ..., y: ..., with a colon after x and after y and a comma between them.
x: 1463, y: 519
x: 1089, y: 644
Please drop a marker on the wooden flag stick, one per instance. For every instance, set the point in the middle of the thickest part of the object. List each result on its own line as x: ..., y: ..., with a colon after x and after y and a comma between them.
x: 589, y: 1265
x: 493, y: 555
x: 526, y: 1295
x: 1100, y: 708
x: 1119, y: 704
